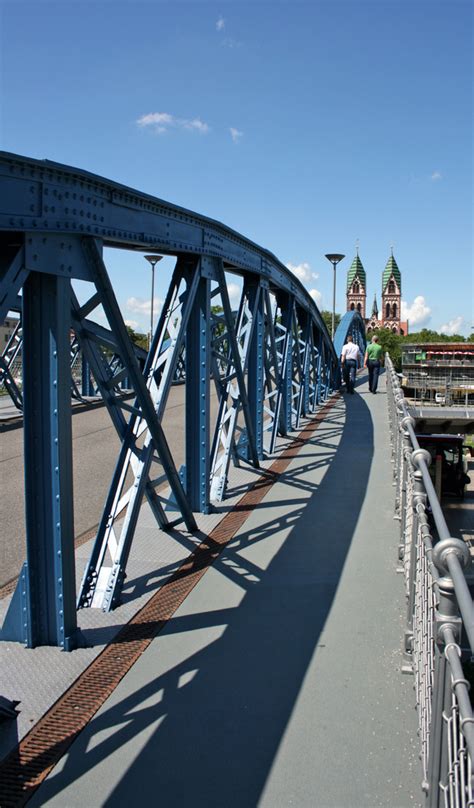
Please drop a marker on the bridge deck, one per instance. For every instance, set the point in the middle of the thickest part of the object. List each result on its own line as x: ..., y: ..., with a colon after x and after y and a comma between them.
x: 277, y: 681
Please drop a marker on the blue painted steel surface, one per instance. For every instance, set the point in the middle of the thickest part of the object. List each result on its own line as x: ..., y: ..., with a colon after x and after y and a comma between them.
x: 351, y: 323
x: 44, y: 612
x: 256, y: 367
x: 271, y: 361
x: 198, y: 372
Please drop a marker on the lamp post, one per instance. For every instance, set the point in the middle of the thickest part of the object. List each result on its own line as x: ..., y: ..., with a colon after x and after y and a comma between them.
x: 334, y: 258
x: 152, y: 260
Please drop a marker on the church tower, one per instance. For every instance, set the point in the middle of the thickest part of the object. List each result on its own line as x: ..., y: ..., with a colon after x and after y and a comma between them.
x: 391, y: 296
x: 356, y: 287
x: 373, y: 322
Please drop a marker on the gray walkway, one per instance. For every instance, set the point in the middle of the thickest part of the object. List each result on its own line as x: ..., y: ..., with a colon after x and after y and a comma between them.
x: 277, y: 682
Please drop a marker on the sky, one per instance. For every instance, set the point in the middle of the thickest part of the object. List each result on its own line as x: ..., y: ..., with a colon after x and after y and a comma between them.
x: 309, y: 127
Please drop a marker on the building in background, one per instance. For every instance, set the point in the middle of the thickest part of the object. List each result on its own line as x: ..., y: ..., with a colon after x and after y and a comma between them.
x: 439, y: 372
x: 6, y: 330
x: 390, y: 313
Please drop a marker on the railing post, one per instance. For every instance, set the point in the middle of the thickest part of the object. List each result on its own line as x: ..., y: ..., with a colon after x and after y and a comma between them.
x: 437, y: 740
x: 401, y: 503
x: 419, y: 498
x: 447, y: 619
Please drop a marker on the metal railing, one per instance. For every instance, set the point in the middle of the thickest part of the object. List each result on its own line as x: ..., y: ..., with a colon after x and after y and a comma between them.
x: 439, y: 632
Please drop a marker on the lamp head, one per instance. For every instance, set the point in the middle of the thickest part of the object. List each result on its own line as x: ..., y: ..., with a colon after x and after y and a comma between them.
x: 153, y: 259
x: 334, y: 258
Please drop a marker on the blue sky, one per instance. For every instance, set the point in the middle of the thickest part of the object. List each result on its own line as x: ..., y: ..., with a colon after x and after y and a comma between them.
x: 306, y: 126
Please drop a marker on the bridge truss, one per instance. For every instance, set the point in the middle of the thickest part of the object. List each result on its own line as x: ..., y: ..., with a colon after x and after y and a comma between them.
x: 351, y: 323
x: 271, y: 362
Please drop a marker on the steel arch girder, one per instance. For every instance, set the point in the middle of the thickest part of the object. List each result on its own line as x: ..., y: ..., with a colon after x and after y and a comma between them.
x: 66, y: 201
x: 351, y: 323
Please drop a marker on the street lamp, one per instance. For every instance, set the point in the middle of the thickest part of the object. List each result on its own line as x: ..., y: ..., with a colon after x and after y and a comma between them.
x: 152, y: 260
x: 334, y: 258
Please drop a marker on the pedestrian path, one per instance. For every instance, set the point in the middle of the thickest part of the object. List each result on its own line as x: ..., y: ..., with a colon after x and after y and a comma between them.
x: 278, y: 680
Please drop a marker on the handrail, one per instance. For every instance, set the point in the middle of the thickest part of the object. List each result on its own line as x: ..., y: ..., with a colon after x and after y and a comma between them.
x: 439, y: 606
x: 461, y: 588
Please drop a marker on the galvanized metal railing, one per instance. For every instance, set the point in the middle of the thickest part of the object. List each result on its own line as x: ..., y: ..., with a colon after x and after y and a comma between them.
x: 439, y: 632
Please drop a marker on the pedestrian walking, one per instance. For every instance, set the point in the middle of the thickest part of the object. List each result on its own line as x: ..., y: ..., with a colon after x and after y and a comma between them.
x: 372, y: 360
x: 350, y: 357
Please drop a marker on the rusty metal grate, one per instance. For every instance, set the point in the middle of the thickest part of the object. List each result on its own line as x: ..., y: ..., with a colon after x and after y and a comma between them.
x: 31, y: 761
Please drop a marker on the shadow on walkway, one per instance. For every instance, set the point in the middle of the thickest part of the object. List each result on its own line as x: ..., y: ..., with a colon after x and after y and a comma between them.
x: 215, y: 719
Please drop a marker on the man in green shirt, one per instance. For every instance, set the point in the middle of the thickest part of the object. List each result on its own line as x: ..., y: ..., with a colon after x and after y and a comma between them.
x: 372, y: 362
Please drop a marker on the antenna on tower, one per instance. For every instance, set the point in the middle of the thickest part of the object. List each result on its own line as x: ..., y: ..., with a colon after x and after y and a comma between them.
x: 357, y: 247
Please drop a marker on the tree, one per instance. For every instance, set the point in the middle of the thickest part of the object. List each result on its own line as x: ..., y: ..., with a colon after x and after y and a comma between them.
x: 327, y: 317
x: 391, y: 343
x: 138, y: 339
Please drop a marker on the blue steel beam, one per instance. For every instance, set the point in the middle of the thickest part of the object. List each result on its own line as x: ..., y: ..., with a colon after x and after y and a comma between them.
x: 351, y: 323
x: 197, y: 398
x: 236, y: 338
x: 105, y: 572
x: 286, y: 327
x: 42, y: 611
x: 256, y: 368
x: 48, y: 196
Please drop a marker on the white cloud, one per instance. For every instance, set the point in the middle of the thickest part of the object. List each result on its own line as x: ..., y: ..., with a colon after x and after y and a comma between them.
x: 235, y: 292
x: 220, y: 24
x: 197, y: 124
x: 454, y: 326
x: 235, y: 134
x: 302, y: 271
x: 132, y: 324
x: 436, y: 175
x: 143, y: 307
x: 158, y: 118
x: 417, y: 314
x: 317, y: 297
x: 162, y: 122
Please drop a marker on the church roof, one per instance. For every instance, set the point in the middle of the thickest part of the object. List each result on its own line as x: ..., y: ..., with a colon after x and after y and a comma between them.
x: 375, y: 310
x: 356, y: 269
x: 391, y: 268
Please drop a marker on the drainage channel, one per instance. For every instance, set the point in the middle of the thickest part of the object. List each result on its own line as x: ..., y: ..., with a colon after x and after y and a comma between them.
x: 24, y: 769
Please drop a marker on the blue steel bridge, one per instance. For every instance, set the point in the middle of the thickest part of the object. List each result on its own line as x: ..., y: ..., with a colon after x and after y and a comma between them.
x: 237, y: 627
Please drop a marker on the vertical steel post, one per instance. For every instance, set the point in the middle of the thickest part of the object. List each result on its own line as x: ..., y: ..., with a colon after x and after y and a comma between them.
x: 287, y: 368
x: 86, y: 382
x: 319, y: 369
x: 255, y: 376
x: 51, y: 618
x: 198, y: 400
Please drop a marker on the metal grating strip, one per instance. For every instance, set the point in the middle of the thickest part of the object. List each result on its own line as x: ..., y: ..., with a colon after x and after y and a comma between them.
x: 28, y: 765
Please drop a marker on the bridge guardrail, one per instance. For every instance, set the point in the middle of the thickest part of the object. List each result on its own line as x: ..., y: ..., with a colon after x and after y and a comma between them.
x: 439, y: 633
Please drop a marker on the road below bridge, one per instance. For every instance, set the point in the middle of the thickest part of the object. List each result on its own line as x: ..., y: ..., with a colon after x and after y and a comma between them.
x: 95, y: 450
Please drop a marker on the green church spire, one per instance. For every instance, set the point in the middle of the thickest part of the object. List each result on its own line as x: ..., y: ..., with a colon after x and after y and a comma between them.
x: 391, y: 268
x: 358, y: 270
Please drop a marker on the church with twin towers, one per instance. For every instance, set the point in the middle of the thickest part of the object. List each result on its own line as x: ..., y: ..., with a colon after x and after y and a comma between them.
x: 391, y: 300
